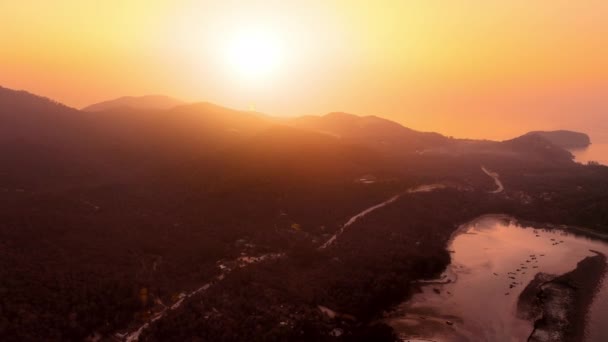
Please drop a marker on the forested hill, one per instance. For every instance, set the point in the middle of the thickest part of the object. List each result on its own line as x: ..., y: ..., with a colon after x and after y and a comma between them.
x: 106, y: 218
x: 565, y: 139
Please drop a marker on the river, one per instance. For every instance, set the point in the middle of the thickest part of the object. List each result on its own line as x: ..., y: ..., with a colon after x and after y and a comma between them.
x: 493, y: 259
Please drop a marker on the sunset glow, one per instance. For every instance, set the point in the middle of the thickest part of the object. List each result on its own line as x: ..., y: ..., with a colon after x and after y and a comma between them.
x: 303, y: 170
x: 432, y: 65
x: 254, y: 55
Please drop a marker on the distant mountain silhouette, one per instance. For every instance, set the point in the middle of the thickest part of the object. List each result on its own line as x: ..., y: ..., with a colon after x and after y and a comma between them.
x: 23, y: 114
x: 565, y: 139
x: 40, y: 134
x: 539, y: 147
x: 140, y: 102
x: 32, y: 119
x: 371, y: 130
x: 186, y: 131
x: 71, y: 146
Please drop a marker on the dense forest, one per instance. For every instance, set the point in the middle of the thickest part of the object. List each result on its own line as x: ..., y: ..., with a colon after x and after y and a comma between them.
x: 107, y: 217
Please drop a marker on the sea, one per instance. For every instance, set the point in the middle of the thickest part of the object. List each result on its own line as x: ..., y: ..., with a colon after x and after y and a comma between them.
x: 596, y: 152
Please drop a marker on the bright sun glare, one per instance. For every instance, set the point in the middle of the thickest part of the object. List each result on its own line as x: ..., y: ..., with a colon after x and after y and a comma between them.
x: 255, y: 55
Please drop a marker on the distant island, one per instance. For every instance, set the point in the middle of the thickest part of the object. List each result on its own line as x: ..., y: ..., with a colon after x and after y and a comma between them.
x: 565, y: 139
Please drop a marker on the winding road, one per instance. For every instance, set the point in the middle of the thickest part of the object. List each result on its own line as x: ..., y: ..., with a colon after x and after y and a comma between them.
x: 499, y: 187
x: 244, y: 261
x: 241, y: 262
x: 418, y: 189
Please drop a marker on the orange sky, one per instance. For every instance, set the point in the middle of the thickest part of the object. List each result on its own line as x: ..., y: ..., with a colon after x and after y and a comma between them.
x: 469, y: 68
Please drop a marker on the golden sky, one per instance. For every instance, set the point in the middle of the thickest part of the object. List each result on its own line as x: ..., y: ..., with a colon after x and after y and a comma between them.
x: 469, y: 68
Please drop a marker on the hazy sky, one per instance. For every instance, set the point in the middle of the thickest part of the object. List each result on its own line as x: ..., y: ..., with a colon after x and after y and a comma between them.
x: 477, y: 68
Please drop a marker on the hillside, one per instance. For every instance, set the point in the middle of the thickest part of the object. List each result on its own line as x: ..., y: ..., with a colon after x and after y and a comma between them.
x: 148, y: 102
x: 108, y: 217
x: 76, y: 147
x: 373, y: 131
x: 565, y: 139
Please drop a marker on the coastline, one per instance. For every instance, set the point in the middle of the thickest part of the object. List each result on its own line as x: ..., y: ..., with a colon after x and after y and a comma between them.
x: 576, y: 230
x: 573, y: 292
x: 560, y: 304
x: 595, y: 152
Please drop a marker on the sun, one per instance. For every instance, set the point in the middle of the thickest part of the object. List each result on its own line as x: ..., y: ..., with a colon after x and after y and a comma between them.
x: 254, y: 55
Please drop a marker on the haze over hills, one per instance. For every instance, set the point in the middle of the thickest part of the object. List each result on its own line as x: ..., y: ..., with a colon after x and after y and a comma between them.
x: 198, y: 129
x: 194, y: 130
x: 131, y: 209
x: 123, y: 143
x: 411, y: 162
x: 382, y: 133
x: 148, y: 102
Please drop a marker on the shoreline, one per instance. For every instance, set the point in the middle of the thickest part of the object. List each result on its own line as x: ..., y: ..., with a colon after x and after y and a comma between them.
x: 561, y: 304
x: 582, y: 284
x: 576, y: 230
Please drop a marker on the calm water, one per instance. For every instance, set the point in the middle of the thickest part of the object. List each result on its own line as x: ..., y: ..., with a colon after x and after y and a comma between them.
x: 595, y: 152
x: 478, y: 303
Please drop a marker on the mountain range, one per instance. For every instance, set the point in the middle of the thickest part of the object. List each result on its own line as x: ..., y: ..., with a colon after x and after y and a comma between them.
x: 160, y: 129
